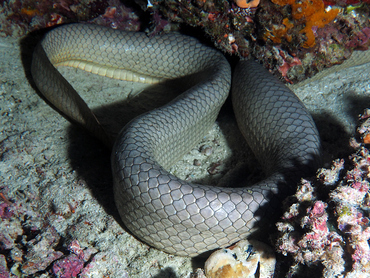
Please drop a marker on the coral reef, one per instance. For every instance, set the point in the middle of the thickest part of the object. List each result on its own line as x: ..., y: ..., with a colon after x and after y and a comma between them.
x: 327, y: 222
x: 21, y: 17
x: 318, y: 36
x: 315, y: 34
x: 225, y: 23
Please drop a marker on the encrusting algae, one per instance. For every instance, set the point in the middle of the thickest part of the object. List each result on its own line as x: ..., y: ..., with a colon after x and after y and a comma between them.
x: 310, y: 13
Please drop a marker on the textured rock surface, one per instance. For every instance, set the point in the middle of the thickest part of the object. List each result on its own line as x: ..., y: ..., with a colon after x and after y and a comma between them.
x: 54, y: 174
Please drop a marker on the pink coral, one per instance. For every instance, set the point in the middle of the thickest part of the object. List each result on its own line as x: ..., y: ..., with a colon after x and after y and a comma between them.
x: 288, y: 62
x: 328, y: 233
x: 318, y: 243
x: 351, y: 220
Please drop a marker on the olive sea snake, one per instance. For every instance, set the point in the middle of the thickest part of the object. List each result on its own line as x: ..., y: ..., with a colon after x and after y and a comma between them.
x: 166, y: 212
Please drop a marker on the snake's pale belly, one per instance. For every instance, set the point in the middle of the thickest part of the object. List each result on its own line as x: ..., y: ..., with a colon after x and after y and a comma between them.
x: 168, y: 213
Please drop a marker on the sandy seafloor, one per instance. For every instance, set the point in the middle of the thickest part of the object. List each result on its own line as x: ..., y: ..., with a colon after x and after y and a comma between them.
x: 59, y: 176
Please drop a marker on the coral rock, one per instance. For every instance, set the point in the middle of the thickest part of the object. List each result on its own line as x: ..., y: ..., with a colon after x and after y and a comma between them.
x: 241, y: 260
x: 68, y: 267
x: 334, y: 233
x: 41, y: 253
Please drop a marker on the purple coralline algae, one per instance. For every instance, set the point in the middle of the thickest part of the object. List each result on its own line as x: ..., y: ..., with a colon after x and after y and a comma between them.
x: 68, y: 267
x: 73, y: 264
x: 327, y: 222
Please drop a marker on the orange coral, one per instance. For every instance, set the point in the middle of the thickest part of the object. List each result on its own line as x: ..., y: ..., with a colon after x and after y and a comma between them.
x: 305, y: 9
x: 311, y: 13
x: 318, y: 19
x: 367, y: 139
x: 280, y: 32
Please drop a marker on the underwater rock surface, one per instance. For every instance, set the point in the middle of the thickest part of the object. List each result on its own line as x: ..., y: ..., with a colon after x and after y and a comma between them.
x: 56, y: 209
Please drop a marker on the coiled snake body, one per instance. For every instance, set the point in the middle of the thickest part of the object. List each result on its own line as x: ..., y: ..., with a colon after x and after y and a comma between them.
x: 157, y: 207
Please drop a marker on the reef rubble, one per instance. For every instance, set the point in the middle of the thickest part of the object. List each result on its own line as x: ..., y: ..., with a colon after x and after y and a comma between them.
x: 326, y: 223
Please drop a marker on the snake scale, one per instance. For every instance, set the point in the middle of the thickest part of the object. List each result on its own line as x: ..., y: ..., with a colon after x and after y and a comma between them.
x: 160, y: 209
